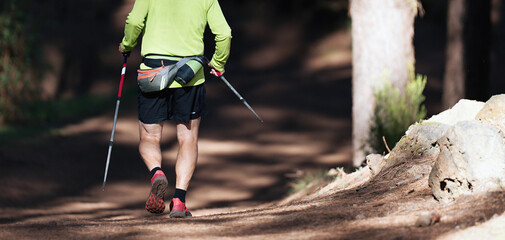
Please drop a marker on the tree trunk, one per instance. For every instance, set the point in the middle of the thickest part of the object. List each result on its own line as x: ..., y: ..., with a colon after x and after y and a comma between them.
x: 477, y: 49
x: 454, y: 78
x: 497, y: 83
x: 468, y: 51
x: 382, y: 36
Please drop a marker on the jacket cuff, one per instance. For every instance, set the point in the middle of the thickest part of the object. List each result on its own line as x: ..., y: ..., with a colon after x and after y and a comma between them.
x: 216, y: 65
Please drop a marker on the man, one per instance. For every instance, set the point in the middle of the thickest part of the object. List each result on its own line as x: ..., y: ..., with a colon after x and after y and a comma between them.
x: 174, y: 29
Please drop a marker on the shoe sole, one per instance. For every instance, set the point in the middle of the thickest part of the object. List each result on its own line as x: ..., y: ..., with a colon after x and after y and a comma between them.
x: 155, y: 202
x: 180, y: 214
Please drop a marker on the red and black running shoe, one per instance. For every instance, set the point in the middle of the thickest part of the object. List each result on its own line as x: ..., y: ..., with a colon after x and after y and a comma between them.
x: 155, y: 202
x: 178, y: 209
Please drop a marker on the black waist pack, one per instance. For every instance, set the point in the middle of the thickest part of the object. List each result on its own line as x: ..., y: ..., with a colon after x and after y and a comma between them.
x: 159, y: 78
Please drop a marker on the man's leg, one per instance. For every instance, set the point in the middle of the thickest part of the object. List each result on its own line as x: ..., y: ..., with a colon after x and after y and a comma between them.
x: 149, y: 147
x: 187, y: 136
x: 150, y: 150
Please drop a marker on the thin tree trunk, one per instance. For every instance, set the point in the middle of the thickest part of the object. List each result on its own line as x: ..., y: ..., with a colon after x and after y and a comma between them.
x: 477, y: 49
x: 382, y: 35
x: 454, y: 79
x: 497, y: 84
x: 468, y: 51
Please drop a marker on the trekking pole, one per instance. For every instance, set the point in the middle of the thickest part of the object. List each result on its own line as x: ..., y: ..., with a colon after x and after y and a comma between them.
x: 239, y: 96
x: 111, y: 142
x: 220, y: 75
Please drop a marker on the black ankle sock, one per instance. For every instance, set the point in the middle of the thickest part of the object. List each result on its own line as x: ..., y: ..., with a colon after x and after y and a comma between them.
x: 153, y: 171
x: 180, y: 194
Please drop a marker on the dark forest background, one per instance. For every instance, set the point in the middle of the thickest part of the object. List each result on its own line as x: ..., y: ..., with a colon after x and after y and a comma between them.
x: 54, y: 52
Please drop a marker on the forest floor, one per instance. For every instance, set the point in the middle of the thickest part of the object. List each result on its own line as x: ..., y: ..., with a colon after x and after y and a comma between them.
x: 51, y: 182
x: 51, y: 189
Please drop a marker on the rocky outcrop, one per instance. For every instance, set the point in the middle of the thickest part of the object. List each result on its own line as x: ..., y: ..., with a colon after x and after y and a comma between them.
x: 471, y: 160
x: 493, y: 112
x: 467, y: 143
x: 463, y: 110
x: 422, y: 138
x: 472, y: 154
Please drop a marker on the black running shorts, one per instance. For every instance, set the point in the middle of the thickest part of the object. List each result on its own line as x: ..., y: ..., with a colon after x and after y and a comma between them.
x: 177, y: 104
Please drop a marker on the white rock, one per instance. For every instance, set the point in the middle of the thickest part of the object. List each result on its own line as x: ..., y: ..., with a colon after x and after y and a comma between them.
x: 471, y: 160
x: 493, y: 112
x: 463, y: 110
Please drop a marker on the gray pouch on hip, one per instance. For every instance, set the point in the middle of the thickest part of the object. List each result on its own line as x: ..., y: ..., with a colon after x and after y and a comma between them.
x: 157, y: 79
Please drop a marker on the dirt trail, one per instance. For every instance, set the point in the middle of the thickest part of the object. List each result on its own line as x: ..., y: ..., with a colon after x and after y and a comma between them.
x: 234, y: 196
x: 51, y: 183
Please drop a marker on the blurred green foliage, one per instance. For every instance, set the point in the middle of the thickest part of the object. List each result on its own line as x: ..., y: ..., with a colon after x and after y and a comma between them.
x: 57, y: 111
x: 310, y: 181
x: 18, y: 58
x: 396, y: 110
x: 43, y: 117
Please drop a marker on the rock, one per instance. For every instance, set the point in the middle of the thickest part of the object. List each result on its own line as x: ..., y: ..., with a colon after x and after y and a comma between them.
x: 493, y: 112
x: 491, y: 229
x: 471, y: 160
x: 375, y: 163
x: 418, y: 170
x: 420, y: 139
x: 336, y: 172
x: 425, y: 135
x: 463, y: 110
x: 332, y: 172
x: 427, y: 219
x: 423, y: 220
x: 435, y: 217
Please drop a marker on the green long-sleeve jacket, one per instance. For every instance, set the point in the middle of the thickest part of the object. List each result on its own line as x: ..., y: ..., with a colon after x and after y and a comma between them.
x: 176, y: 28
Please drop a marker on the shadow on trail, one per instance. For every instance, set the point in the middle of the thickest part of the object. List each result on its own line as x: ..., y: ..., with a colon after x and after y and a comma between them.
x: 43, y: 169
x: 241, y: 160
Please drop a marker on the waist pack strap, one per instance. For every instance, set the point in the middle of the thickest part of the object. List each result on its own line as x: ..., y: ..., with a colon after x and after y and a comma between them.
x: 184, y: 60
x: 179, y: 63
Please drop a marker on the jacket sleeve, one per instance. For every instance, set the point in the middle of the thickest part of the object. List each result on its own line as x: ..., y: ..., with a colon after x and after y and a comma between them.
x: 135, y: 23
x: 222, y: 32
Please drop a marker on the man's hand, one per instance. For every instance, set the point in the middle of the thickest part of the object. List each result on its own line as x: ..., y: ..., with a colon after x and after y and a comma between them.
x: 121, y: 49
x: 126, y: 54
x: 214, y: 72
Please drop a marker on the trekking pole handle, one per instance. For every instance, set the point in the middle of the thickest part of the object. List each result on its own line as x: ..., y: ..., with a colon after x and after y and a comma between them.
x: 218, y: 73
x: 123, y: 71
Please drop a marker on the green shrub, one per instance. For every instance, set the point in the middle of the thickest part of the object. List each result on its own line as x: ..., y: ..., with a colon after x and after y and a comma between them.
x: 396, y: 110
x: 310, y: 181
